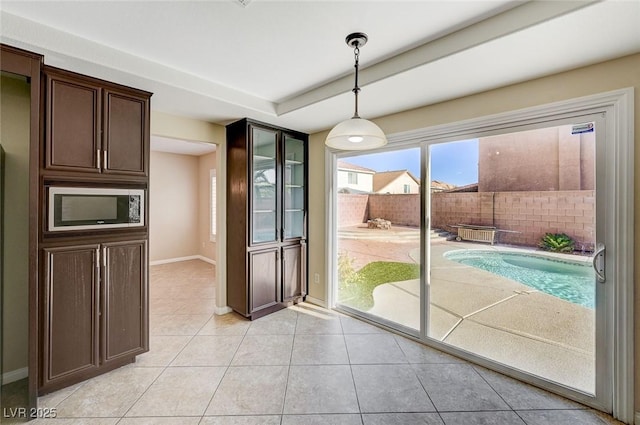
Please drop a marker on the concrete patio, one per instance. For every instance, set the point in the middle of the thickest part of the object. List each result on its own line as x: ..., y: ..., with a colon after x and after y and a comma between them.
x: 484, y: 313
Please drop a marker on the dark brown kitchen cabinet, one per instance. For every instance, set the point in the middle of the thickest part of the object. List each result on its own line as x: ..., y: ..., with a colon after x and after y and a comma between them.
x: 126, y: 132
x: 124, y: 297
x: 93, y: 126
x: 293, y: 267
x: 266, y: 216
x: 73, y: 111
x: 95, y: 310
x: 264, y: 278
x: 71, y: 314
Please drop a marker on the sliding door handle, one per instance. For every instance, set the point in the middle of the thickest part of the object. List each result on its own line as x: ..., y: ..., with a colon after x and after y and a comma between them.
x: 599, y: 263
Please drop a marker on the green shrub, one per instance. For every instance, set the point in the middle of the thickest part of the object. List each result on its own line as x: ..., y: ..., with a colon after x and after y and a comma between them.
x: 557, y: 242
x: 347, y: 275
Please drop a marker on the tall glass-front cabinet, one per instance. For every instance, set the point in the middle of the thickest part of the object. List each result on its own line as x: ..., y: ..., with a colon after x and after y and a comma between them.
x: 266, y: 217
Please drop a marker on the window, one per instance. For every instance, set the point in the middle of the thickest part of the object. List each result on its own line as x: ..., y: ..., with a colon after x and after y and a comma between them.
x: 212, y: 204
x: 352, y: 178
x: 407, y: 188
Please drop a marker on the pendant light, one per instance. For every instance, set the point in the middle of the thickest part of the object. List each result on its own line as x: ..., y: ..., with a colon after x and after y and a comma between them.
x: 356, y: 133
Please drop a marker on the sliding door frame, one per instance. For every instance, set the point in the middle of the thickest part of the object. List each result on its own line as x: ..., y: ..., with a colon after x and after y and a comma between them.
x: 617, y: 107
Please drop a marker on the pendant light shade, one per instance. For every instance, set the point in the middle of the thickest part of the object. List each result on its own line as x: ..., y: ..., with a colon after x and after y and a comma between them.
x: 356, y: 133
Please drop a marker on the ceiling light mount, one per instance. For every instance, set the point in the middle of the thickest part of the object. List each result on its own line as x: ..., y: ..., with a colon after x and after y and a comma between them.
x: 356, y: 133
x: 356, y: 39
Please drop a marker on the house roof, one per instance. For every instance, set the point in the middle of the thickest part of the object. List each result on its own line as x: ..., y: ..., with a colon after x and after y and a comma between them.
x: 473, y: 187
x: 343, y: 165
x: 384, y: 178
x: 441, y: 186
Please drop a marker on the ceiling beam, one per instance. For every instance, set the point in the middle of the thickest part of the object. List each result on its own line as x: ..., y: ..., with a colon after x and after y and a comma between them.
x: 501, y: 25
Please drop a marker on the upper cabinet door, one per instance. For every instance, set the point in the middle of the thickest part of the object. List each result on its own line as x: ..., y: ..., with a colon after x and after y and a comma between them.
x: 93, y: 126
x: 126, y: 118
x: 264, y: 200
x: 294, y: 172
x: 72, y: 124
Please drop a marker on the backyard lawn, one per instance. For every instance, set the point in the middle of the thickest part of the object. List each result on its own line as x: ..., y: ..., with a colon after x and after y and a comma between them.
x: 356, y: 287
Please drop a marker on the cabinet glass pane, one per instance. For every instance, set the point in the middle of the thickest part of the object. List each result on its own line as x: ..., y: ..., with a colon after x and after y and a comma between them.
x: 264, y: 186
x: 293, y: 187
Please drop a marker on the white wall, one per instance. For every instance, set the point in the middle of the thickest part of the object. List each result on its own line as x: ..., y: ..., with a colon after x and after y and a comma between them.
x: 365, y: 180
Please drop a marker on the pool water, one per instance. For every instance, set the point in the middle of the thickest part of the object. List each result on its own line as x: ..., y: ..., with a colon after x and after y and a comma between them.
x: 573, y: 282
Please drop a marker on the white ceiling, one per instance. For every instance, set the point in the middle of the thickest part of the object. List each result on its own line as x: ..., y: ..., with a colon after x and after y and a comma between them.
x: 285, y: 62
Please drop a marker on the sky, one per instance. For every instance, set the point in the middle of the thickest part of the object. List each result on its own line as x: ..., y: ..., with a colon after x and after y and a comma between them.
x: 455, y: 163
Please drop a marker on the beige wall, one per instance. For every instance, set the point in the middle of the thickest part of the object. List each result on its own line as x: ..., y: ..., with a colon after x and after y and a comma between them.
x: 173, y: 212
x: 207, y: 247
x: 182, y: 128
x: 603, y: 77
x: 180, y: 206
x: 14, y: 136
x: 543, y: 159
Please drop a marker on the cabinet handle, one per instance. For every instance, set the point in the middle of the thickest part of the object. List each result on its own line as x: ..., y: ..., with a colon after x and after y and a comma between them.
x: 104, y: 152
x: 98, y: 257
x: 99, y: 157
x: 104, y: 256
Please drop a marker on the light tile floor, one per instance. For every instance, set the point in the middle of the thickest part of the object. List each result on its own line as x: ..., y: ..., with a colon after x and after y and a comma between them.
x: 300, y: 366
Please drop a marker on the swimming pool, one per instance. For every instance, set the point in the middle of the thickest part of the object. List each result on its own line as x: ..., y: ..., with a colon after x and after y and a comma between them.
x: 571, y: 281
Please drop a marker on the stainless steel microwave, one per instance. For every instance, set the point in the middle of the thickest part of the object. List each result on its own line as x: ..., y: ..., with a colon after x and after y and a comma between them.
x: 81, y: 208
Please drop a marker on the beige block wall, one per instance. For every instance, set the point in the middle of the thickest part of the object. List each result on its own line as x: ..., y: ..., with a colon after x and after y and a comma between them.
x: 173, y: 212
x: 400, y: 209
x: 15, y: 116
x: 598, y: 78
x: 352, y: 209
x: 526, y: 215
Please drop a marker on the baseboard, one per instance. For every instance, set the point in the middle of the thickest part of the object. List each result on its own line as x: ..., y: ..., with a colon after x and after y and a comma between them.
x: 316, y: 301
x: 206, y: 259
x: 219, y: 311
x: 15, y: 375
x: 178, y: 259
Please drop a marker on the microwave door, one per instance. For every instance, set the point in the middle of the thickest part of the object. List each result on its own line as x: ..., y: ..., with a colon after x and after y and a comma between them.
x: 94, y: 208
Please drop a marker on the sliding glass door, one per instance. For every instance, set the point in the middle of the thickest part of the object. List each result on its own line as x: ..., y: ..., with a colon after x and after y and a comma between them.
x: 513, y: 280
x: 491, y: 248
x: 378, y: 210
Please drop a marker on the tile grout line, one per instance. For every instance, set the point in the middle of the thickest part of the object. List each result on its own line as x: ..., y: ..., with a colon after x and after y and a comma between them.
x: 164, y: 369
x: 286, y: 382
x: 204, y: 413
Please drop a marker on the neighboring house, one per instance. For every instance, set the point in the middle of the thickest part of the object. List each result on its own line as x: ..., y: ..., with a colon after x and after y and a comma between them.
x: 354, y: 178
x: 400, y: 181
x: 438, y: 186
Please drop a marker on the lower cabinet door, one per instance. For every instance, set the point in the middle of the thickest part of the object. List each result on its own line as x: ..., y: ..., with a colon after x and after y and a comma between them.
x: 71, y: 323
x: 264, y: 278
x: 125, y: 305
x: 293, y: 268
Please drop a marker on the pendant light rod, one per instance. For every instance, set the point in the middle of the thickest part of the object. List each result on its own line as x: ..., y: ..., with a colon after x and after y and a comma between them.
x: 356, y: 89
x: 356, y: 133
x: 356, y: 40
